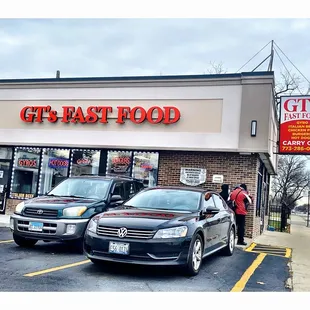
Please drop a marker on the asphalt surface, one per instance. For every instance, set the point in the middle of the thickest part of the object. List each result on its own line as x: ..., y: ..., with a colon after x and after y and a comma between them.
x: 218, y: 273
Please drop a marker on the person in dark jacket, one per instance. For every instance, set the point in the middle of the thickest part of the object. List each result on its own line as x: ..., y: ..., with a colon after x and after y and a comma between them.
x: 225, y: 192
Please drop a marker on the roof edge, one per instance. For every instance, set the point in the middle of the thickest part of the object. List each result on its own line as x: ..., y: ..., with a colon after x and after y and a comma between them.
x: 141, y: 78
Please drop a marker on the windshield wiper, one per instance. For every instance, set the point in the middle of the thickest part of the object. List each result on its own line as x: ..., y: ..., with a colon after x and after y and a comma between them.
x: 128, y: 206
x: 72, y: 196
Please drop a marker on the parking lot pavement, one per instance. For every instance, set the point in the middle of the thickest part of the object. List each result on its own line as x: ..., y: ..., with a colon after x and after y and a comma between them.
x: 56, y: 267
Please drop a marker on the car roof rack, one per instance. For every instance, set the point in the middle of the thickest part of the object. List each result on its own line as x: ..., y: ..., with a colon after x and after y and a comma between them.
x: 123, y: 177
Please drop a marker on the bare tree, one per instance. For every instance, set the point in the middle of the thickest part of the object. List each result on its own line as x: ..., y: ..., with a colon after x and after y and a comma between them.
x: 291, y: 181
x: 216, y: 68
x: 288, y: 84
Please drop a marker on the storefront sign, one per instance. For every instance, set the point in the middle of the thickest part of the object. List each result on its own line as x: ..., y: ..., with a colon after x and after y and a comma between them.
x: 83, y: 161
x: 295, y: 125
x: 93, y: 114
x: 21, y: 196
x: 147, y: 166
x: 121, y: 160
x: 193, y: 176
x: 56, y: 163
x: 27, y: 162
x: 217, y: 178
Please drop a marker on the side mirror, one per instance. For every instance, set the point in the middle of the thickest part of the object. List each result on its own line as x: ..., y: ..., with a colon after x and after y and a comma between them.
x: 116, y: 198
x: 211, y: 210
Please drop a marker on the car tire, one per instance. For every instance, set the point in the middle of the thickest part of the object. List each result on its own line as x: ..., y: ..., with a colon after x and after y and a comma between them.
x: 96, y: 261
x: 195, y: 255
x: 230, y: 247
x: 24, y: 242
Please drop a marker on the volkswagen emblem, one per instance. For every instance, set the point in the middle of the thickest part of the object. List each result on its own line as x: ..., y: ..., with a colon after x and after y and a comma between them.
x: 122, y: 232
x: 40, y: 212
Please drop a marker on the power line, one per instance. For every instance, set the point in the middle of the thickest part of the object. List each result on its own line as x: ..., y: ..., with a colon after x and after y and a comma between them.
x: 293, y: 80
x: 292, y: 63
x: 254, y: 56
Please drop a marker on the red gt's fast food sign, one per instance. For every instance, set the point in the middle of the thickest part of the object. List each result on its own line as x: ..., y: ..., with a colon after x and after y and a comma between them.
x: 93, y: 114
x: 294, y: 125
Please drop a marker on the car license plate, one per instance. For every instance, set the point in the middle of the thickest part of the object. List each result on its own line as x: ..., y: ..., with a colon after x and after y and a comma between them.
x: 35, y: 226
x: 119, y: 248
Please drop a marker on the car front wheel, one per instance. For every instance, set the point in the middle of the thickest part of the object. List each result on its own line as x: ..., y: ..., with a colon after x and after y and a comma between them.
x: 195, y: 257
x: 24, y: 242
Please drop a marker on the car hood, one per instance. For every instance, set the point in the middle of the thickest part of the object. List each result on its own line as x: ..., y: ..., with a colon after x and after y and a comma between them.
x: 144, y: 219
x: 51, y: 202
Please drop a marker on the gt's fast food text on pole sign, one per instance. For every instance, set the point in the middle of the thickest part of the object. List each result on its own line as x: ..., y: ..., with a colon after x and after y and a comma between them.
x: 295, y: 125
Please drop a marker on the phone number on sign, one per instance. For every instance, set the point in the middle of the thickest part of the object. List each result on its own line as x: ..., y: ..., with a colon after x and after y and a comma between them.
x: 296, y: 148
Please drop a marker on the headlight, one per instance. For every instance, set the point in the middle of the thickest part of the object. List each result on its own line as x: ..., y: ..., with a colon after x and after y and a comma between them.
x: 19, y: 208
x: 175, y: 232
x: 92, y: 225
x: 74, y: 211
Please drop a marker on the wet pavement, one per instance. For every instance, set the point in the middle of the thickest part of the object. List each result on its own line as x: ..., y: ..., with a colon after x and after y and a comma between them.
x: 56, y: 267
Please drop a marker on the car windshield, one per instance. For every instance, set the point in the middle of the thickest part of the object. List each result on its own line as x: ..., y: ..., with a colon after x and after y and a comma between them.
x: 84, y: 188
x: 166, y: 199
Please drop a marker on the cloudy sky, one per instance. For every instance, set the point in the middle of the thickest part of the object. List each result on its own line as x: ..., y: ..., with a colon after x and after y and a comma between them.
x: 118, y: 47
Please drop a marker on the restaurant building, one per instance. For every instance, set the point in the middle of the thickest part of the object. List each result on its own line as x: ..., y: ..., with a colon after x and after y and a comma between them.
x: 193, y: 130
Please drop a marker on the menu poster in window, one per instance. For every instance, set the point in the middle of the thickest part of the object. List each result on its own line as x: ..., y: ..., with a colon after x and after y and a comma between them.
x: 55, y: 166
x: 193, y: 176
x: 119, y: 163
x: 85, y: 162
x: 146, y: 167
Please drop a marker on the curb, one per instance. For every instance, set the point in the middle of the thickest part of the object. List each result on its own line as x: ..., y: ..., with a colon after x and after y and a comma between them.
x: 2, y: 225
x: 289, y: 281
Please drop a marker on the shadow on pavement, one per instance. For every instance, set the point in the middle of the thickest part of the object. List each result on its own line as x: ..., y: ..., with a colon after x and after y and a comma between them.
x: 140, y: 271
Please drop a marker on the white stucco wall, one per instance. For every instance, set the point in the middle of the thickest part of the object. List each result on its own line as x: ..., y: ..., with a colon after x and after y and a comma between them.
x: 227, y: 139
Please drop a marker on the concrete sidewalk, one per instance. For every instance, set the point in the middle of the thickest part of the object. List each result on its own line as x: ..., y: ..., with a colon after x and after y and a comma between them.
x: 4, y: 220
x: 299, y: 241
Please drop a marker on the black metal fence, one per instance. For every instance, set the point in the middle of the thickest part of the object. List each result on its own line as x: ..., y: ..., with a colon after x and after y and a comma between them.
x: 278, y: 218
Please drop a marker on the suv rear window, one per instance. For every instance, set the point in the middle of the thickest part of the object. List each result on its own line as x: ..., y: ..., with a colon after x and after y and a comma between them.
x: 84, y: 188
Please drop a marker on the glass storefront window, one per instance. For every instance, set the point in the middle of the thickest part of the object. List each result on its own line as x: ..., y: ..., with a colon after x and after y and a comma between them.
x: 85, y: 162
x: 55, y: 167
x: 119, y: 163
x: 25, y: 173
x: 145, y: 167
x: 6, y: 153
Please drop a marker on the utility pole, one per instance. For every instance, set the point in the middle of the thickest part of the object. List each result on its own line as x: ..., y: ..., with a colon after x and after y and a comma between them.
x: 271, y: 57
x: 308, y: 212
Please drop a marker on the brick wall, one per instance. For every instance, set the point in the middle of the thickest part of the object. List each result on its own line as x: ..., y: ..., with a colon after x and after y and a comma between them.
x: 234, y: 167
x: 10, y: 205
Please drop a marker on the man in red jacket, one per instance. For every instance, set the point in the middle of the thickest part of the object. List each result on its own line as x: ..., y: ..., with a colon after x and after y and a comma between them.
x: 241, y: 198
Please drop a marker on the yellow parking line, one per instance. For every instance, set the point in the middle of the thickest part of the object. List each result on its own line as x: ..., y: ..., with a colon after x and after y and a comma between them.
x: 37, y: 273
x: 240, y: 285
x: 251, y: 247
x: 6, y: 241
x: 288, y: 253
